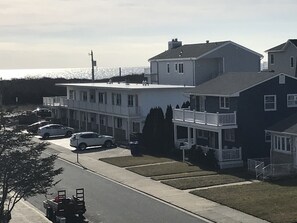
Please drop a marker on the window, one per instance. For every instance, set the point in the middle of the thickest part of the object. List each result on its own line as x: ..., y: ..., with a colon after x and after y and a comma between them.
x: 180, y: 68
x: 224, y: 102
x: 72, y: 94
x: 112, y: 98
x: 269, y: 102
x: 119, y: 123
x: 168, y: 68
x: 176, y: 67
x: 202, y: 134
x: 130, y: 100
x: 292, y: 62
x: 84, y: 96
x: 136, y: 127
x: 92, y: 95
x: 229, y: 135
x: 102, y: 120
x: 291, y: 100
x: 267, y: 136
x: 271, y: 59
x: 101, y: 98
x: 118, y: 99
x: 282, y: 143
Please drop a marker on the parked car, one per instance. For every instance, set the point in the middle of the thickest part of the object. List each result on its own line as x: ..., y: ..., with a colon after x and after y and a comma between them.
x: 54, y: 130
x: 42, y: 112
x: 34, y: 127
x: 82, y: 140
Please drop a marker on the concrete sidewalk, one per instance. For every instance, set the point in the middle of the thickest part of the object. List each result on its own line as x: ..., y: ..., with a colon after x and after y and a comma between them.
x: 24, y: 212
x: 179, y: 198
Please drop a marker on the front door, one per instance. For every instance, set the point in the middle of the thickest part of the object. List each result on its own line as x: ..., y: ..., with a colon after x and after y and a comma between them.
x: 212, y: 140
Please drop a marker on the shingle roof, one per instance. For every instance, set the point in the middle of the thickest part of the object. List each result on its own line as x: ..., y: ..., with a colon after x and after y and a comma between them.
x: 282, y: 46
x: 288, y: 125
x: 189, y: 50
x: 230, y: 84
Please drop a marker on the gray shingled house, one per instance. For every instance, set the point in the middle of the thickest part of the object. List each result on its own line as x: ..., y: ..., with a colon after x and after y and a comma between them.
x: 283, y: 58
x: 193, y: 64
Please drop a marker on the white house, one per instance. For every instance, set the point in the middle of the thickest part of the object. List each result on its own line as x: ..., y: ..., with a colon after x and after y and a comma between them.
x: 116, y: 109
x: 193, y: 64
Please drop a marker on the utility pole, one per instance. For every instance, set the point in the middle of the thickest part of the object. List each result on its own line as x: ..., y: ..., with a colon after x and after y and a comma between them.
x: 94, y: 64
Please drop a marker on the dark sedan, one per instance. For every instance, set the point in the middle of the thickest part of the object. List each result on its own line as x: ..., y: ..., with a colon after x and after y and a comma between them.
x: 34, y: 127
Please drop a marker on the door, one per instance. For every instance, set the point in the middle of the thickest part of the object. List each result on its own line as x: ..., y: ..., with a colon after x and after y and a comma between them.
x: 200, y: 103
x: 212, y: 142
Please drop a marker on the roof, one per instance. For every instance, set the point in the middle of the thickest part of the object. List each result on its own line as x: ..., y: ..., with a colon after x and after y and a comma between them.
x: 194, y: 50
x: 288, y: 125
x: 231, y: 84
x: 282, y: 46
x: 124, y: 86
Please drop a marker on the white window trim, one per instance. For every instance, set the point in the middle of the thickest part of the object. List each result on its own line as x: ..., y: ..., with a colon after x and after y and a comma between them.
x: 268, y: 137
x: 272, y: 55
x: 270, y: 109
x: 278, y: 146
x: 179, y: 70
x: 294, y: 101
x: 224, y: 104
x: 292, y: 59
x: 168, y: 68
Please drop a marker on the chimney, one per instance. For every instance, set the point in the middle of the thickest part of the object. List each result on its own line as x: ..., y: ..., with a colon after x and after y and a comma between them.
x: 174, y: 43
x: 207, y: 41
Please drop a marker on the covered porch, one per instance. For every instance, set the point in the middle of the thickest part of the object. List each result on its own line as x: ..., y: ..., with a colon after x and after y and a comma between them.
x: 227, y: 154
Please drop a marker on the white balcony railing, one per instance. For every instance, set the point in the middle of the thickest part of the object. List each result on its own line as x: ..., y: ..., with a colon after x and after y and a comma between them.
x: 55, y: 101
x: 205, y: 118
x: 227, y: 154
x: 91, y: 106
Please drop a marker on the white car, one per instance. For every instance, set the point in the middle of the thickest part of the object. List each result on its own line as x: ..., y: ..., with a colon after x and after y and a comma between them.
x: 54, y: 130
x: 82, y: 140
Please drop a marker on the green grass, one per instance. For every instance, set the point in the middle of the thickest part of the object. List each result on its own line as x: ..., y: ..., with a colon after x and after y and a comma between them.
x: 164, y: 169
x: 184, y: 175
x: 128, y: 161
x: 202, y: 181
x: 273, y: 202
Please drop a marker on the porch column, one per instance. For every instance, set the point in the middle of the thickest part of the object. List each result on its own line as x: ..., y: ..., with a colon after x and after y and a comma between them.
x: 113, y: 131
x: 128, y: 130
x: 87, y: 119
x: 175, y: 133
x: 220, y: 142
x: 189, y: 137
x: 68, y: 116
x: 79, y: 120
x: 194, y: 136
x: 98, y: 122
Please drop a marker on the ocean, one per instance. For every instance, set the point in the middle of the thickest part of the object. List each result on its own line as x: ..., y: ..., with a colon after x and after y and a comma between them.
x: 70, y: 73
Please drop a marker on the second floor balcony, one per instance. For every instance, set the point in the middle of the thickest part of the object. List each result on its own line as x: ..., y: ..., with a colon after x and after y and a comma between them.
x: 92, y: 106
x: 204, y: 118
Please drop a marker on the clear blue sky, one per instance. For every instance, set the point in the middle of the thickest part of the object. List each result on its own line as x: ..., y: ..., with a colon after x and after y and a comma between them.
x: 61, y: 33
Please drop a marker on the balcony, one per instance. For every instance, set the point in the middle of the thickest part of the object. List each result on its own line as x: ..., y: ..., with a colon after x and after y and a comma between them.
x: 55, y: 101
x: 92, y: 106
x: 204, y: 118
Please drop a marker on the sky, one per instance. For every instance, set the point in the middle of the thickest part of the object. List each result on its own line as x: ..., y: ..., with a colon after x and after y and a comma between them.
x: 126, y: 33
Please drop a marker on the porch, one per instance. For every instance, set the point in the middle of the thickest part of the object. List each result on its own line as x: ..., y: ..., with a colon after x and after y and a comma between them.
x: 227, y: 157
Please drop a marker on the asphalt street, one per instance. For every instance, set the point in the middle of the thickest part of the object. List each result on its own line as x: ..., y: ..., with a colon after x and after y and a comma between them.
x: 111, y: 202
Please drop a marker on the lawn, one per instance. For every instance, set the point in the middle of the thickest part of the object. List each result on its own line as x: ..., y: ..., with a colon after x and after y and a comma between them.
x: 202, y: 181
x: 184, y: 175
x: 274, y: 202
x: 164, y: 169
x: 127, y: 161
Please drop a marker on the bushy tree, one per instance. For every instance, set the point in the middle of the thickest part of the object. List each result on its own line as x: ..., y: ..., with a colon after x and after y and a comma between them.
x: 23, y: 171
x: 169, y: 128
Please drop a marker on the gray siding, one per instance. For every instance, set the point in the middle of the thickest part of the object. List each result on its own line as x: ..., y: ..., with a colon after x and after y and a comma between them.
x: 207, y: 69
x: 282, y: 61
x: 237, y: 59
